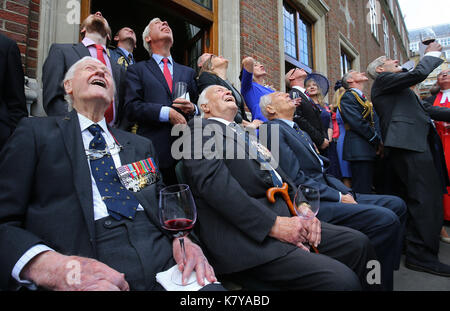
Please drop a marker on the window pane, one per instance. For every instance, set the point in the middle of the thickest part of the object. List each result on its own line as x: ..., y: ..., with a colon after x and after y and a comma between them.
x: 290, y: 43
x: 305, y: 41
x: 206, y: 3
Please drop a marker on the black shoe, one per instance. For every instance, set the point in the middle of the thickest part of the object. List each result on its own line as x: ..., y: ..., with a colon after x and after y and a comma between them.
x: 436, y: 268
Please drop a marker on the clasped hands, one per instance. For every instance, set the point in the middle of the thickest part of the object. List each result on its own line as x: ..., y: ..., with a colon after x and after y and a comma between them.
x: 297, y: 231
x: 54, y: 271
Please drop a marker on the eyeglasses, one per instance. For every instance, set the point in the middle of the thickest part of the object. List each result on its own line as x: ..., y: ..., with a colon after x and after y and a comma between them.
x: 94, y: 154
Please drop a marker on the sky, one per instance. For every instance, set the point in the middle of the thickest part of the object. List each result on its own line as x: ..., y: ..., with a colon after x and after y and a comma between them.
x: 425, y: 13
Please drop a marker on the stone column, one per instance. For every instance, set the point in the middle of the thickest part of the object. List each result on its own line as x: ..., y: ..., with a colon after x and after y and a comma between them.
x: 58, y: 24
x: 230, y: 38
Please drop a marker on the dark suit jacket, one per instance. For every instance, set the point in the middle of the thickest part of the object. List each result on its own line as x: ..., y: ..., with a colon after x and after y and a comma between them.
x: 12, y: 96
x: 404, y: 122
x: 307, y: 116
x: 361, y: 139
x: 60, y: 58
x: 146, y: 93
x: 301, y: 163
x: 207, y: 79
x: 118, y: 56
x: 234, y: 216
x: 46, y: 192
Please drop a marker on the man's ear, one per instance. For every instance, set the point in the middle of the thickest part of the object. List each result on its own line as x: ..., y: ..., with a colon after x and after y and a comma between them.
x: 148, y: 39
x: 68, y: 87
x: 270, y: 110
x: 379, y: 69
x: 205, y: 108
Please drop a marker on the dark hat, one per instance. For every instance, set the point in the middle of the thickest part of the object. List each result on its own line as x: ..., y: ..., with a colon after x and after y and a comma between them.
x: 321, y: 81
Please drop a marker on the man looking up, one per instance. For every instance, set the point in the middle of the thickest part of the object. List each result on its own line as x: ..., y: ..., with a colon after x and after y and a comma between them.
x: 126, y: 43
x: 95, y: 33
x: 149, y: 100
x: 307, y: 114
x: 71, y: 209
x: 362, y: 142
x: 407, y: 130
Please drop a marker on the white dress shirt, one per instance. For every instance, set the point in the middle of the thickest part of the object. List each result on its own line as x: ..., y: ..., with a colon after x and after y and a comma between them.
x: 100, y: 209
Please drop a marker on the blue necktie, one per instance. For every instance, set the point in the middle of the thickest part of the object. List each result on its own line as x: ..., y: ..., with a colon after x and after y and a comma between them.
x: 119, y: 201
x: 302, y: 134
x: 276, y: 181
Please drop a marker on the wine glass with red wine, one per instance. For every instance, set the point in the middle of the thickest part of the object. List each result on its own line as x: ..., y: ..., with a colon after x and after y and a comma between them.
x: 177, y: 214
x: 427, y: 36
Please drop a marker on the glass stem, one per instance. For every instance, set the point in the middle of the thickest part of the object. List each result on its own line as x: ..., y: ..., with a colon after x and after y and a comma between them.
x: 183, y: 250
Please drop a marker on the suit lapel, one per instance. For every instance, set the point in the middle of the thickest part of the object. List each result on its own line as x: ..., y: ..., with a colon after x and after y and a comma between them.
x: 296, y: 136
x: 154, y: 68
x: 71, y: 132
x: 81, y: 50
x: 128, y: 153
x: 176, y: 74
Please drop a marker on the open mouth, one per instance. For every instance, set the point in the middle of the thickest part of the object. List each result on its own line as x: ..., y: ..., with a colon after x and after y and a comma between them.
x: 99, y: 82
x: 229, y: 99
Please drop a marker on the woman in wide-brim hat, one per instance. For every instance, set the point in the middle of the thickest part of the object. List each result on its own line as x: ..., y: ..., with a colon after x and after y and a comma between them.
x: 317, y: 86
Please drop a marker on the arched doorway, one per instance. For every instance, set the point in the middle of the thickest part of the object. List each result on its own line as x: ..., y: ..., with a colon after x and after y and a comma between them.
x: 193, y: 22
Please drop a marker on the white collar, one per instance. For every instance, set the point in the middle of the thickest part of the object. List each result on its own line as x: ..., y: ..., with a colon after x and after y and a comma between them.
x: 85, y: 123
x: 299, y: 88
x: 220, y: 120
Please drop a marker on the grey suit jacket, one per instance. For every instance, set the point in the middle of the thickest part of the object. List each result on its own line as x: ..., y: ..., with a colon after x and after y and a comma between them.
x: 404, y: 121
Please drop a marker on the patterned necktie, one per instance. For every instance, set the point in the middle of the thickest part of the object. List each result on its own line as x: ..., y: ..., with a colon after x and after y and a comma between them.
x: 254, y: 148
x: 130, y: 59
x: 302, y: 134
x: 167, y: 74
x: 119, y: 201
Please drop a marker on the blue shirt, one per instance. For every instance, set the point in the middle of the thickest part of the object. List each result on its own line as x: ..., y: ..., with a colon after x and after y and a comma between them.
x: 252, y: 93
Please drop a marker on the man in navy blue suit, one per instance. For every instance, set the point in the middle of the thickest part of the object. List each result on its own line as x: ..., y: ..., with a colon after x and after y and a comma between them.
x: 126, y: 43
x: 148, y: 98
x: 362, y: 142
x: 381, y: 218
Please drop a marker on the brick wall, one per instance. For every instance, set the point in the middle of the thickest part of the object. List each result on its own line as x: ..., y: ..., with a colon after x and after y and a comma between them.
x: 361, y: 37
x: 259, y: 35
x: 19, y: 20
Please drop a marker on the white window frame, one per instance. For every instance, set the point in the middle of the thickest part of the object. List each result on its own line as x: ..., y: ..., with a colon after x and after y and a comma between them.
x: 387, y: 48
x: 394, y: 47
x: 373, y: 17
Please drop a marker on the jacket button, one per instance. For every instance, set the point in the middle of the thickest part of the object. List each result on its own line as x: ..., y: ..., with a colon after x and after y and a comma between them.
x: 108, y: 223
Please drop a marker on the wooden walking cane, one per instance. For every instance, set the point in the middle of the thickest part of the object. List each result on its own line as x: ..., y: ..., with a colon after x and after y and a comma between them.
x: 270, y: 194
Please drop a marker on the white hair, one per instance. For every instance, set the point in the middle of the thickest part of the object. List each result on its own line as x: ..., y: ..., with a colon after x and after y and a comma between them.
x: 372, y: 68
x: 345, y: 78
x: 203, y: 100
x: 71, y: 73
x: 265, y: 101
x: 146, y: 33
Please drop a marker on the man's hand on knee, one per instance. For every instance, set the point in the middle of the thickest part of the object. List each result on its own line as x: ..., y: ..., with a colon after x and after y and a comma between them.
x: 55, y: 271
